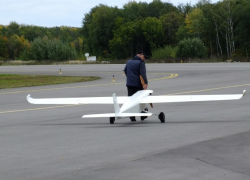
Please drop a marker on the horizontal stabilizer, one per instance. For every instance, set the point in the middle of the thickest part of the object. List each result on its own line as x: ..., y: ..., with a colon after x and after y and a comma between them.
x: 133, y: 114
x: 113, y: 115
x: 99, y: 115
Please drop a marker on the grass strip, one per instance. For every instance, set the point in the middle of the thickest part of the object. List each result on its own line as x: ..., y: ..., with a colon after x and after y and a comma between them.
x: 16, y: 80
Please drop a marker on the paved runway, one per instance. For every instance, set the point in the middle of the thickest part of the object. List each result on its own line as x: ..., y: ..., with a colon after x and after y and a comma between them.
x: 200, y: 140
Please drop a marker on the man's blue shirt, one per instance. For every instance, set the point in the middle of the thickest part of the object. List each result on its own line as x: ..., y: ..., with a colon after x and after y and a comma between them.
x: 133, y: 69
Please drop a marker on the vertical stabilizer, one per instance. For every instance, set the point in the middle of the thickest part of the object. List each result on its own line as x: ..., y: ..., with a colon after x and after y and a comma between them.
x: 116, y: 105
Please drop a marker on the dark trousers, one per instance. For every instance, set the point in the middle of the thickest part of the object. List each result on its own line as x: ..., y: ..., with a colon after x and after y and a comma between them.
x: 133, y: 89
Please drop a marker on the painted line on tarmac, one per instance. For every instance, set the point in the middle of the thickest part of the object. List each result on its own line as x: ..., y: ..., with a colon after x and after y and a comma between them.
x: 226, y: 87
x: 93, y: 85
x: 168, y: 77
x: 23, y: 110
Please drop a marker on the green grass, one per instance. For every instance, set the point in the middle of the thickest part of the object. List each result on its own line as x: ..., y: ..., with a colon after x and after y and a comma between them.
x: 15, y: 80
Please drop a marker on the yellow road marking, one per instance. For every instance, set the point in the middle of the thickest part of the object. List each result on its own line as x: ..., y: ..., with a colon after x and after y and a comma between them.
x: 4, y: 112
x: 226, y: 87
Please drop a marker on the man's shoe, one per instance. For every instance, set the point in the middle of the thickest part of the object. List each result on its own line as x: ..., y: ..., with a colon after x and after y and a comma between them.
x: 132, y: 119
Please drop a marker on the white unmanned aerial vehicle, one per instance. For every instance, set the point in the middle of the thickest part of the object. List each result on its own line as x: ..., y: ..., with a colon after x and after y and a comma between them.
x: 133, y: 105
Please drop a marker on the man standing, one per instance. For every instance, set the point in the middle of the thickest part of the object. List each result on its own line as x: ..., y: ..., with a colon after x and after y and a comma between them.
x: 135, y: 68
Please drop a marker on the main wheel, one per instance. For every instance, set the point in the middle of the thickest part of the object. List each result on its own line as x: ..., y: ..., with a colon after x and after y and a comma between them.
x: 162, y: 117
x: 112, y: 120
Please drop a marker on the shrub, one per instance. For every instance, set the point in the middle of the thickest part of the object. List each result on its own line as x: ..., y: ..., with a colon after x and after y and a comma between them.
x: 56, y: 50
x: 166, y: 52
x: 191, y: 48
x: 25, y: 54
x: 39, y: 49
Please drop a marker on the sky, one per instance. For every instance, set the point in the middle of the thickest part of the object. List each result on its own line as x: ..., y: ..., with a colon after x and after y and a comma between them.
x: 51, y: 13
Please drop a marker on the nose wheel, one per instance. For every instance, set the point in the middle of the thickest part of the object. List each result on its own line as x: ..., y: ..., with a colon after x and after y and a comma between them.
x: 161, y: 116
x: 112, y: 120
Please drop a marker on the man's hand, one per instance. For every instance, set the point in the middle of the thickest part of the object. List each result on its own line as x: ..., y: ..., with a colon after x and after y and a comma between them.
x: 145, y: 86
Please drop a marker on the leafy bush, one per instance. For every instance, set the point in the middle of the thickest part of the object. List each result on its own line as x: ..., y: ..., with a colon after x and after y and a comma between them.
x: 39, y: 49
x: 166, y: 52
x: 56, y: 50
x: 191, y: 48
x: 25, y: 54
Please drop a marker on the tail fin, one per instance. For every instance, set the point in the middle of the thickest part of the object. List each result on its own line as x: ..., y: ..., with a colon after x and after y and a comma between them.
x: 116, y: 105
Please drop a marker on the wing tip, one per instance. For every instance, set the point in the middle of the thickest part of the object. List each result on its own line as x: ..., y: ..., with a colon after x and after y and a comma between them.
x: 244, y: 92
x: 29, y: 99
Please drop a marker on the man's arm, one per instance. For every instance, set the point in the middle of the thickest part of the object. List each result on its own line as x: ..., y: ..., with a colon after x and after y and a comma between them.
x: 143, y: 76
x: 143, y: 72
x: 145, y: 86
x: 125, y: 70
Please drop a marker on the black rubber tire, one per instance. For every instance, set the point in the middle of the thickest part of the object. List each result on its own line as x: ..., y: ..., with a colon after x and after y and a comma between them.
x: 112, y: 120
x: 162, y: 117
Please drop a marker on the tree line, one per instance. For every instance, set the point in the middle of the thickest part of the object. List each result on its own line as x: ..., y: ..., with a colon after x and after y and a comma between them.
x: 206, y: 29
x: 214, y: 29
x: 27, y: 42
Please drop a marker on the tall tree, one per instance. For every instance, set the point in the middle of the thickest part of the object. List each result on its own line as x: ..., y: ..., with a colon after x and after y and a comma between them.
x: 157, y: 8
x: 195, y: 22
x: 242, y: 30
x: 170, y: 24
x: 99, y: 29
x: 13, y: 28
x: 225, y: 17
x: 185, y: 8
x: 127, y: 39
x: 153, y: 32
x: 14, y: 46
x: 133, y: 11
x: 3, y: 47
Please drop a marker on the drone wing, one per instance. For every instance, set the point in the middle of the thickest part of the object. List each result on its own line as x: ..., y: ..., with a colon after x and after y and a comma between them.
x: 191, y: 98
x: 85, y: 100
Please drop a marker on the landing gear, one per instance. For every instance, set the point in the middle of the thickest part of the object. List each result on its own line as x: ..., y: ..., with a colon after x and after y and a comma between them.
x: 112, y: 120
x: 161, y: 116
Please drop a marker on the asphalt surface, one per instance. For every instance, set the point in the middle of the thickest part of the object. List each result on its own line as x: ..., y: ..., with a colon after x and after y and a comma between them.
x: 200, y: 140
